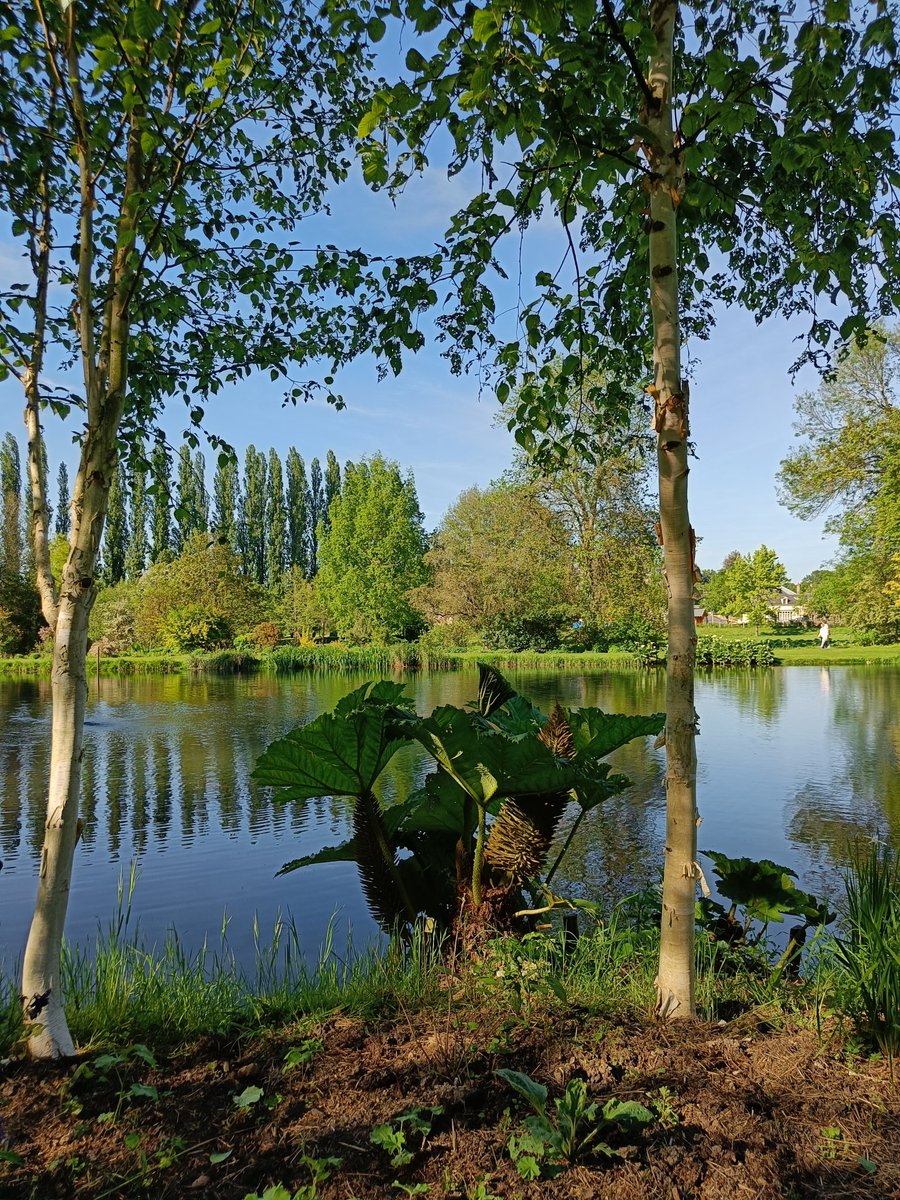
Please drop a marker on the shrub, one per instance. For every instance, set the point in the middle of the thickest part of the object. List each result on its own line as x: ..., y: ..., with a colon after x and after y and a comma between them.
x: 719, y: 652
x: 587, y: 636
x: 195, y: 628
x: 265, y: 635
x: 449, y: 635
x: 521, y: 633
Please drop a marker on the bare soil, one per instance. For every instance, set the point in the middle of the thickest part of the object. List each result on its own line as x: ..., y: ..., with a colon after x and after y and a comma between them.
x: 744, y: 1112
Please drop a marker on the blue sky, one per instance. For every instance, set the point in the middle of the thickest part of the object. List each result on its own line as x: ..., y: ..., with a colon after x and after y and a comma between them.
x: 446, y: 431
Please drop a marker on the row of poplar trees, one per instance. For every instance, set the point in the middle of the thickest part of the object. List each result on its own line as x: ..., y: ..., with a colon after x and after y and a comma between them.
x: 266, y: 511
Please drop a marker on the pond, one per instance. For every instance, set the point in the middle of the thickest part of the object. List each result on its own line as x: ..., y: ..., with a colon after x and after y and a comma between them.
x: 794, y: 763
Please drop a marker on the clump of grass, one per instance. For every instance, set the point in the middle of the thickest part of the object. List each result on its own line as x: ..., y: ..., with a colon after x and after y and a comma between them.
x: 12, y: 1028
x: 869, y: 951
x: 224, y: 662
x: 402, y: 656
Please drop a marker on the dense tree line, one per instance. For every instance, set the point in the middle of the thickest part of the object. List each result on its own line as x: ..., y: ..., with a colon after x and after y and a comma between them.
x: 847, y: 463
x: 267, y: 514
x: 320, y: 551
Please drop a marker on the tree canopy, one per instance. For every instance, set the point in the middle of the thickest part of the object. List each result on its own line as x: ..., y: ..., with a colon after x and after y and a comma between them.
x: 847, y: 463
x: 370, y: 554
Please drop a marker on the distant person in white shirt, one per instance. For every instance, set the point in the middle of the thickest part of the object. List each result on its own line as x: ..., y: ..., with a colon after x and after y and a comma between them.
x: 824, y: 634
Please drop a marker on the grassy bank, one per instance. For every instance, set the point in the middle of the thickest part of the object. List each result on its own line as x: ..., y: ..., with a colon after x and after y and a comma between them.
x: 405, y: 1071
x: 787, y: 649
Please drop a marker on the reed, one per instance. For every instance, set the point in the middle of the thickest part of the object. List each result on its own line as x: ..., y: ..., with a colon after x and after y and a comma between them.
x: 869, y: 951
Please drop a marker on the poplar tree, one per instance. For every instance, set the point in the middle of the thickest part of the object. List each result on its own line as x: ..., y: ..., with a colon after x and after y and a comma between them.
x: 136, y: 552
x: 298, y: 513
x: 63, y: 516
x: 201, y: 492
x: 189, y: 497
x: 115, y: 535
x: 317, y: 512
x: 332, y: 482
x: 253, y: 516
x: 10, y: 493
x: 276, y: 523
x: 225, y: 500
x: 161, y: 506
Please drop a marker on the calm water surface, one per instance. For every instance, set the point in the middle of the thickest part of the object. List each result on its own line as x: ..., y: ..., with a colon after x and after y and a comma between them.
x: 793, y: 763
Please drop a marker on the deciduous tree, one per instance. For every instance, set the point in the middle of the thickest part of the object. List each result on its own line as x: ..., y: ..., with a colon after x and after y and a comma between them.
x: 115, y: 533
x: 847, y: 463
x: 276, y: 523
x: 751, y: 161
x: 136, y: 552
x: 10, y: 496
x: 298, y: 513
x: 371, y: 553
x: 161, y: 507
x: 63, y: 520
x: 499, y: 552
x: 156, y: 158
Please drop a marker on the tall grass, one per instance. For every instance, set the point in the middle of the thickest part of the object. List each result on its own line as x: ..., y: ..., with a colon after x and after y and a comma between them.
x: 869, y: 951
x: 401, y: 656
x: 119, y: 990
x: 225, y: 662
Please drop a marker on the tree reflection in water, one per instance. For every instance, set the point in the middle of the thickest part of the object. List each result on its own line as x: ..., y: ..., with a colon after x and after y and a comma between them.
x: 794, y: 762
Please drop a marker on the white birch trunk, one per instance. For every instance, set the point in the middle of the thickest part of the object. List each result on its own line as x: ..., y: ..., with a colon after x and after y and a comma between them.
x: 41, y: 972
x: 675, y: 980
x: 105, y: 368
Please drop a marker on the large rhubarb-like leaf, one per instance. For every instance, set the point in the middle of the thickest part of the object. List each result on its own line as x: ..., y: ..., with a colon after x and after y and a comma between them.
x: 596, y: 733
x: 334, y: 755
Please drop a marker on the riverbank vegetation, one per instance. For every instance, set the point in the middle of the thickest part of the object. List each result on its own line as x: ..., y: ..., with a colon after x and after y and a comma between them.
x: 564, y: 571
x: 416, y: 1067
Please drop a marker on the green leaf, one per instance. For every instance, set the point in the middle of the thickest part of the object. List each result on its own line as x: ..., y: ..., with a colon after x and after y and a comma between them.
x: 597, y: 734
x: 535, y: 1093
x: 220, y: 1156
x: 484, y: 24
x: 493, y: 689
x: 627, y: 1113
x: 334, y: 755
x: 248, y: 1097
x: 369, y: 123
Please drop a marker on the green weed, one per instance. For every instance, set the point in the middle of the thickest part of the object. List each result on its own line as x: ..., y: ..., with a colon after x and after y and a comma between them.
x: 573, y: 1129
x: 393, y: 1136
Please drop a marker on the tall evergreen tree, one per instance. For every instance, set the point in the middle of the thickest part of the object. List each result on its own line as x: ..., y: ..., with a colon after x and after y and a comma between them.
x: 136, y: 552
x: 332, y: 482
x: 225, y: 501
x: 161, y: 508
x: 11, y: 493
x: 115, y: 535
x: 276, y: 523
x: 253, y: 515
x: 63, y: 516
x: 297, y: 497
x: 316, y: 512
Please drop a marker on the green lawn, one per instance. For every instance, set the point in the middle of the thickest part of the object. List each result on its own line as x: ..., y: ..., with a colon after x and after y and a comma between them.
x: 801, y: 647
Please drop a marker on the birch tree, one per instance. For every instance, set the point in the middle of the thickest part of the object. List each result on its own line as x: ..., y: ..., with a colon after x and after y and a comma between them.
x: 752, y: 163
x: 155, y: 158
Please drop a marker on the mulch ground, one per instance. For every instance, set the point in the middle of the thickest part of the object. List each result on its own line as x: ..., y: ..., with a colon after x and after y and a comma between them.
x: 744, y: 1112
